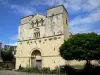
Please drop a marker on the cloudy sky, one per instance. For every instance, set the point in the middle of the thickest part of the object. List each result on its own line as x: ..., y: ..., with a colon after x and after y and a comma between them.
x: 84, y: 15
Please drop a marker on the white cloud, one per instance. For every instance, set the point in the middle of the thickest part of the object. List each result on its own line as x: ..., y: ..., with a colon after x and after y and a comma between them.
x: 90, y: 5
x: 14, y: 37
x: 13, y: 40
x: 94, y: 3
x: 79, y: 29
x: 91, y: 18
x: 80, y: 23
x: 54, y: 2
x: 97, y: 31
x: 47, y: 2
x: 83, y: 24
x: 71, y: 5
x: 12, y: 44
x: 24, y: 9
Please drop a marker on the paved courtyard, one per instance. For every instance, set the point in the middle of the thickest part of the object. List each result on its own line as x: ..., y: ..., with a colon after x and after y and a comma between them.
x: 8, y: 72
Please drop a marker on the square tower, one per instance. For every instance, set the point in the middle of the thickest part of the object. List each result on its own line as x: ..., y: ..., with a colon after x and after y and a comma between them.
x: 57, y: 20
x: 40, y: 37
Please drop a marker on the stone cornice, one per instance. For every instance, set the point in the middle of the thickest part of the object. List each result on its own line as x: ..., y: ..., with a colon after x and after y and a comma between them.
x: 40, y: 38
x: 41, y: 56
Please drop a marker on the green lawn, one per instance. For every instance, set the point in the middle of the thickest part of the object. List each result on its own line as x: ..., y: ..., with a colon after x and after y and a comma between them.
x: 78, y: 66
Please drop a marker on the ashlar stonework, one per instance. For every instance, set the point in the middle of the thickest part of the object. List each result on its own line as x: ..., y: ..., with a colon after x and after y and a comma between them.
x: 40, y: 37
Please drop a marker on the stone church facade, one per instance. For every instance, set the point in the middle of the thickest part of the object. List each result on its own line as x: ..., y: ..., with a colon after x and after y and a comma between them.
x: 40, y: 37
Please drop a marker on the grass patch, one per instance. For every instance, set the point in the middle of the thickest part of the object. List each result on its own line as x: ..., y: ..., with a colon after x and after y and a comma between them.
x: 77, y: 66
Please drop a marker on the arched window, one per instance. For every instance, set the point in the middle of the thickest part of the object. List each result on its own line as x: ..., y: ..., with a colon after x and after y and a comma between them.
x: 37, y: 34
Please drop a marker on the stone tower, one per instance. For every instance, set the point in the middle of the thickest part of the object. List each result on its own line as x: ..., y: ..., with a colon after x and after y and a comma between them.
x: 40, y: 37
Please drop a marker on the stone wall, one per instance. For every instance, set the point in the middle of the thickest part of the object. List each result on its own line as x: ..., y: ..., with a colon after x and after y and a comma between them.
x: 52, y: 24
x: 49, y: 48
x: 52, y: 30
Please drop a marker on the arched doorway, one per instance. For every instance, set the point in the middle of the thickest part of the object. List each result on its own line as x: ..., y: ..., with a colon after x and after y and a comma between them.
x: 36, y: 60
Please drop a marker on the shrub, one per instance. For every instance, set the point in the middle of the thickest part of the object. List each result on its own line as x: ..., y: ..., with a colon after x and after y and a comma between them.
x: 45, y: 70
x: 56, y: 70
x: 35, y: 69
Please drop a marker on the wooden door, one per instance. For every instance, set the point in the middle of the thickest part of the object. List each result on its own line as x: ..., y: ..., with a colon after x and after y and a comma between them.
x: 39, y: 64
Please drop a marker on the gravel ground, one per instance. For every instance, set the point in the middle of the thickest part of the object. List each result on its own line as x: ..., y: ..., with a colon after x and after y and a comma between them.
x: 9, y: 72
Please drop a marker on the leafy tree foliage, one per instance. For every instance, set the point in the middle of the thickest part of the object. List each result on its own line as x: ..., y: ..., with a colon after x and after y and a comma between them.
x: 7, y: 54
x: 81, y: 47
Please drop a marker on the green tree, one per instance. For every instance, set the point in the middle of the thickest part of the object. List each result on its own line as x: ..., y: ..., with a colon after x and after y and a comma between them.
x: 7, y: 54
x: 81, y: 47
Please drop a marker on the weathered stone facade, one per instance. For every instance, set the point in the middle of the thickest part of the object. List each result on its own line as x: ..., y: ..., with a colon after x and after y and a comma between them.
x: 40, y: 37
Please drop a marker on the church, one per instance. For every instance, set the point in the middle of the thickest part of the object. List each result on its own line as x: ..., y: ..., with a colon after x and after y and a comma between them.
x: 39, y: 39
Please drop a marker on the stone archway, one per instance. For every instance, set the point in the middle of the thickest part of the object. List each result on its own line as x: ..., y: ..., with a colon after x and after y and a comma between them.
x: 36, y: 59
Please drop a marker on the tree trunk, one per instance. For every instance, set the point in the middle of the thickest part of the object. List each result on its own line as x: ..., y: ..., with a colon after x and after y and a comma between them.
x: 88, y: 64
x: 88, y: 61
